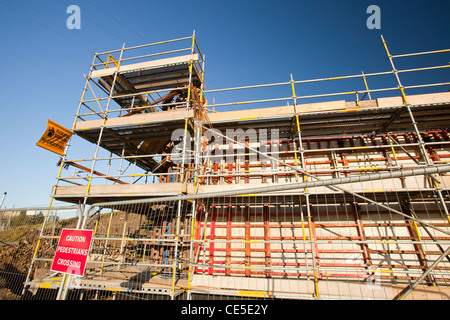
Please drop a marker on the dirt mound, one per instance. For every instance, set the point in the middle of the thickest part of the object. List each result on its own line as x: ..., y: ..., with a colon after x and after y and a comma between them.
x: 15, y: 259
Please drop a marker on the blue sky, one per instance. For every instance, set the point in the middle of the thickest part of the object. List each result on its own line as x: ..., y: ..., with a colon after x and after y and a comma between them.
x: 245, y: 43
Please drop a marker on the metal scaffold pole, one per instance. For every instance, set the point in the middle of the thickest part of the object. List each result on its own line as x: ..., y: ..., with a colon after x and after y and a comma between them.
x: 306, y: 195
x: 424, y: 153
x: 176, y: 256
x: 3, y: 199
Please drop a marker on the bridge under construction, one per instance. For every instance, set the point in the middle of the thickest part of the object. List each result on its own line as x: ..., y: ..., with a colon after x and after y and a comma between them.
x: 340, y: 195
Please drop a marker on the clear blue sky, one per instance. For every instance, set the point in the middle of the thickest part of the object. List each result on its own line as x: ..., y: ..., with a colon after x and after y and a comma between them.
x: 245, y: 42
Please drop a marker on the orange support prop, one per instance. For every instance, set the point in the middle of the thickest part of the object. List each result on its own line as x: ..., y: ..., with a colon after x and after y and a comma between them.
x: 228, y: 246
x: 212, y: 236
x: 247, y: 240
x: 267, y: 239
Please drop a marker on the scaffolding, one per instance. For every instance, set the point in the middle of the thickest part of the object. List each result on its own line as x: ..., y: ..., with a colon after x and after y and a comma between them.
x: 318, y: 198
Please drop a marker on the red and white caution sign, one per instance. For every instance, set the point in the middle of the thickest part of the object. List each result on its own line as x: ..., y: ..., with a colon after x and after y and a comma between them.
x: 72, y: 251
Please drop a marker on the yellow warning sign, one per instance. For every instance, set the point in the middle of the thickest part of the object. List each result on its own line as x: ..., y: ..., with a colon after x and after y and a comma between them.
x: 55, y: 138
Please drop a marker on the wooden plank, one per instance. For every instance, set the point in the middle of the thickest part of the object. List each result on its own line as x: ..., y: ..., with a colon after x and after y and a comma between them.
x: 247, y: 260
x: 228, y: 244
x: 429, y: 98
x: 390, y: 102
x: 415, y: 99
x: 361, y: 104
x: 134, y: 120
x: 287, y: 111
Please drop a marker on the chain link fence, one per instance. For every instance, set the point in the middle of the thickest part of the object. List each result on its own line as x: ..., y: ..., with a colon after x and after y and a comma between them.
x: 271, y: 242
x: 28, y: 237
